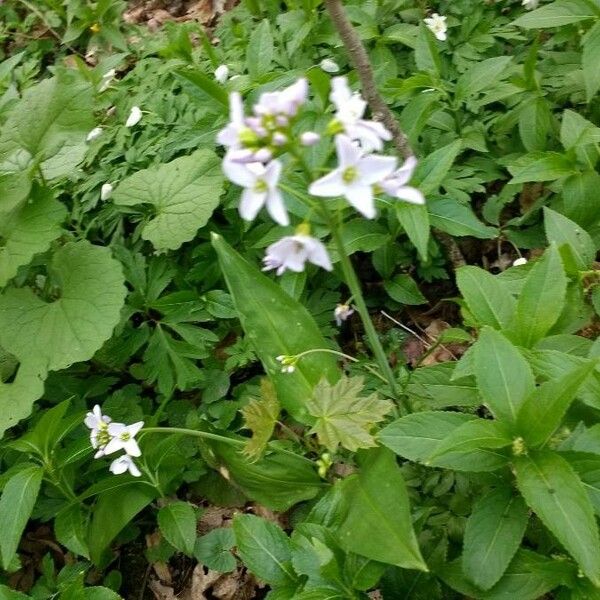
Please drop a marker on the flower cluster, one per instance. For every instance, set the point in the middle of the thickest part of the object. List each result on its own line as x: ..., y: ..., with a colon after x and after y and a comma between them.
x: 107, y: 438
x: 256, y: 147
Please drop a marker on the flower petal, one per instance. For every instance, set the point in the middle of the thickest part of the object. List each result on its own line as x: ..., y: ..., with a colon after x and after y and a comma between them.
x: 132, y: 448
x: 118, y: 466
x: 239, y: 173
x: 361, y: 197
x: 134, y: 470
x: 250, y: 203
x: 373, y: 168
x: 276, y: 207
x: 116, y: 429
x: 318, y: 255
x: 410, y: 194
x: 134, y: 428
x: 329, y: 186
x: 348, y: 153
x: 113, y: 446
x: 272, y: 173
x: 405, y: 172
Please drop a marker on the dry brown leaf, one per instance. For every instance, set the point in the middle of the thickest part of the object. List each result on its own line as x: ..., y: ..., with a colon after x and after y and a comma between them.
x: 161, y: 591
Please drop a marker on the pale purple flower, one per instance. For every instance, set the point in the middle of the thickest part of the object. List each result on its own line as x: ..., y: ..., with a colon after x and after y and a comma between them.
x: 135, y: 116
x: 354, y: 177
x: 395, y: 184
x: 292, y: 252
x: 230, y: 135
x: 437, y: 25
x: 123, y: 438
x: 122, y: 464
x: 350, y: 109
x: 309, y: 138
x: 246, y: 155
x: 260, y: 188
x: 285, y: 102
x: 221, y: 74
x: 96, y: 420
x: 98, y: 425
x: 342, y: 312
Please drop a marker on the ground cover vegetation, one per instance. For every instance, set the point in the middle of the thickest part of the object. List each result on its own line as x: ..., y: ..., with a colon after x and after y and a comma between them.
x: 283, y: 319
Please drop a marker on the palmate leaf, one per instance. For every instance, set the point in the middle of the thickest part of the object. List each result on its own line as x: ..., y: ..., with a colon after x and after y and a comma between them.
x: 54, y: 335
x: 260, y: 416
x: 184, y: 194
x: 344, y: 417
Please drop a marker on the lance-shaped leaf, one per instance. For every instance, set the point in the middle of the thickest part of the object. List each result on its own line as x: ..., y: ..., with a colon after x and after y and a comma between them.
x: 54, y: 335
x: 27, y: 231
x: 183, y: 194
x: 344, y: 417
x: 260, y: 416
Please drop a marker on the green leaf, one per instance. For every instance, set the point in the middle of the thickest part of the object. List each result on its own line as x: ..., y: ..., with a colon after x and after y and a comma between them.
x: 207, y: 85
x: 265, y: 549
x: 480, y: 76
x: 503, y: 375
x: 184, y: 193
x: 427, y: 55
x: 344, y: 417
x: 360, y: 235
x: 260, y: 50
x: 555, y: 14
x: 543, y: 411
x: 70, y: 529
x: 276, y: 325
x: 561, y: 230
x: 375, y: 507
x: 488, y: 300
x: 432, y: 170
x: 70, y: 329
x: 415, y: 221
x: 10, y: 594
x: 457, y: 219
x: 535, y: 124
x: 553, y: 490
x: 492, y: 536
x: 177, y: 522
x: 403, y: 288
x: 28, y: 231
x: 113, y: 510
x: 542, y: 299
x: 540, y: 166
x: 214, y: 550
x: 48, y: 127
x: 590, y: 60
x: 16, y: 504
x: 260, y: 416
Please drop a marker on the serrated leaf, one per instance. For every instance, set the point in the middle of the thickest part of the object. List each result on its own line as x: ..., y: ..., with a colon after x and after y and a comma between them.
x: 540, y: 166
x: 259, y: 53
x: 555, y: 14
x: 184, y: 193
x: 54, y: 335
x: 70, y: 528
x: 343, y: 416
x: 27, y: 231
x: 260, y: 416
x: 480, y: 76
x: 177, y: 522
x: 214, y: 550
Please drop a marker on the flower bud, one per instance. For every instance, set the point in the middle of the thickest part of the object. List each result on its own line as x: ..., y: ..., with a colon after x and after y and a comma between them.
x: 309, y: 138
x: 222, y: 73
x: 106, y: 191
x: 329, y: 66
x: 94, y: 134
x: 520, y: 262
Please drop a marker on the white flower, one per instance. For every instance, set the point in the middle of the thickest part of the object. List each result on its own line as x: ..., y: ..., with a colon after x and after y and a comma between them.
x: 354, y: 177
x: 222, y: 73
x: 96, y: 420
x: 230, y: 135
x: 530, y: 4
x: 106, y: 80
x: 437, y: 25
x: 98, y: 425
x: 342, y: 312
x: 123, y: 438
x: 520, y: 262
x: 349, y: 117
x: 395, y: 184
x: 94, y: 134
x: 285, y: 102
x: 329, y: 66
x: 309, y: 138
x: 106, y: 191
x: 122, y: 464
x: 260, y: 189
x: 292, y: 252
x: 134, y: 117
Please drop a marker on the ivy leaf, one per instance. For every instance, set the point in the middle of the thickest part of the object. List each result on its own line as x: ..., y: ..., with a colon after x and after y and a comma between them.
x: 343, y: 416
x: 28, y: 231
x: 54, y: 335
x: 260, y: 416
x: 183, y: 192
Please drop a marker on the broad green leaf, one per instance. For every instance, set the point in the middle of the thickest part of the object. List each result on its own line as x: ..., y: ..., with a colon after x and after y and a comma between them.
x: 555, y: 14
x: 543, y: 411
x: 207, y: 85
x: 177, y: 522
x: 343, y: 416
x: 576, y: 131
x: 70, y: 528
x: 375, y: 507
x: 183, y: 193
x: 260, y: 50
x: 70, y: 329
x: 480, y: 76
x: 590, y: 60
x: 28, y: 231
x: 360, y: 235
x: 418, y: 435
x: 540, y: 166
x: 276, y: 325
x: 492, y: 536
x: 214, y: 550
x: 403, y: 288
x: 265, y: 549
x: 260, y: 416
x: 113, y: 510
x: 99, y: 593
x: 427, y: 55
x: 15, y: 186
x: 503, y: 375
x: 488, y: 300
x: 553, y: 490
x: 415, y: 221
x: 561, y: 230
x: 48, y: 127
x: 579, y: 197
x: 432, y: 170
x: 16, y: 504
x: 542, y: 299
x: 457, y: 219
x: 535, y: 124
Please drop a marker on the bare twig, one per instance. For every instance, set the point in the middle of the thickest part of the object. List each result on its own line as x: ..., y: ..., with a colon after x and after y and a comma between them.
x: 360, y: 60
